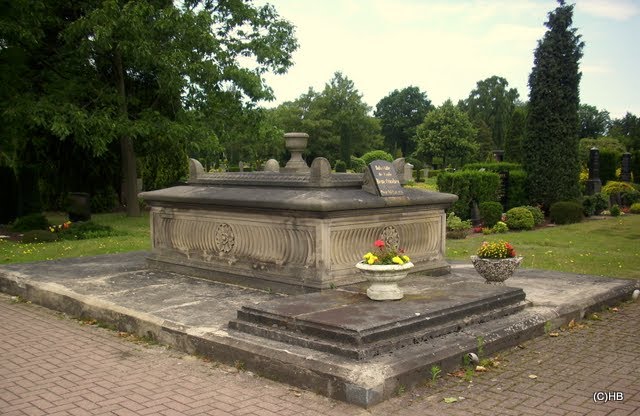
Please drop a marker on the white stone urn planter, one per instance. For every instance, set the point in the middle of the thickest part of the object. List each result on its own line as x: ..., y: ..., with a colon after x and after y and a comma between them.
x: 496, y: 271
x: 384, y: 279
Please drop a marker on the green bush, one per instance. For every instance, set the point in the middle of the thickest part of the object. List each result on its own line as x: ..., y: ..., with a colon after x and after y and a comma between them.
x: 340, y: 166
x: 38, y: 236
x: 376, y: 155
x: 538, y: 215
x: 30, y: 222
x: 469, y: 185
x: 595, y: 204
x: 357, y: 164
x: 635, y: 208
x: 622, y: 192
x: 494, y: 166
x: 517, y: 194
x: 609, y: 162
x: 615, y: 211
x: 490, y: 212
x: 565, y: 212
x: 500, y: 228
x: 520, y: 218
x: 86, y: 230
x: 433, y: 173
x: 104, y: 200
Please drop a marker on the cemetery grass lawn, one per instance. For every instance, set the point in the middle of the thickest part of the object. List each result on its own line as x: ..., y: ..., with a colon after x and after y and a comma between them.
x: 133, y: 235
x: 603, y: 247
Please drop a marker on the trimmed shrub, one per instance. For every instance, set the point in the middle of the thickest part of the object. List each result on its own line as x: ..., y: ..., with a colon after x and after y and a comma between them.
x: 30, y: 222
x: 615, y: 211
x: 433, y: 173
x: 517, y: 195
x: 358, y: 165
x: 104, y: 200
x: 609, y: 162
x: 538, y: 215
x: 635, y: 208
x: 38, y: 236
x: 494, y: 166
x: 469, y: 185
x: 565, y: 212
x: 621, y: 193
x: 520, y: 218
x: 500, y: 228
x: 376, y: 155
x: 594, y: 204
x: 490, y: 212
x: 340, y: 166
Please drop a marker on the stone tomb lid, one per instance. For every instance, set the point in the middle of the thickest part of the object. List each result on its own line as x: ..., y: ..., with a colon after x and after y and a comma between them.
x: 296, y: 199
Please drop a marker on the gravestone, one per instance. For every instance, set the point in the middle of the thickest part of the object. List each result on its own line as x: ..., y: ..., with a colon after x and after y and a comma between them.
x: 408, y: 172
x: 625, y: 172
x: 594, y: 185
x: 498, y: 155
x: 381, y: 179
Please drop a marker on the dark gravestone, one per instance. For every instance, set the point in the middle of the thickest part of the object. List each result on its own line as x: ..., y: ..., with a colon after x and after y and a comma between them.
x: 498, y: 155
x: 79, y: 206
x: 382, y: 179
x: 594, y: 185
x: 625, y: 172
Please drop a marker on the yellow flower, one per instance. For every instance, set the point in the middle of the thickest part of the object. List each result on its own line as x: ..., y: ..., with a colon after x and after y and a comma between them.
x: 397, y: 260
x: 367, y: 256
x: 372, y: 259
x: 406, y: 258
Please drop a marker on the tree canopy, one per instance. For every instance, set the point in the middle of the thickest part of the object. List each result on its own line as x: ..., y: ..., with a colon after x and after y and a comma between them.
x: 400, y: 113
x: 493, y: 102
x: 448, y: 133
x: 337, y: 121
x: 593, y: 122
x: 149, y: 74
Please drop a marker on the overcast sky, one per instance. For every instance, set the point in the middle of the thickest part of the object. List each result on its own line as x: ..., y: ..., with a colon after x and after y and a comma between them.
x: 446, y: 47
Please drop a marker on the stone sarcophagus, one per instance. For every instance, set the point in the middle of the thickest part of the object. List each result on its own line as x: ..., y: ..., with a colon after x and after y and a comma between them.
x: 294, y: 230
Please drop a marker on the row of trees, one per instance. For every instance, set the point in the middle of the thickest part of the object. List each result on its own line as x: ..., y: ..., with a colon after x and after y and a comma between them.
x: 96, y: 93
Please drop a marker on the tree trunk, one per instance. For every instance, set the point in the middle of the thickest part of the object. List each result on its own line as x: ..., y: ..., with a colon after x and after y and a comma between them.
x: 127, y: 154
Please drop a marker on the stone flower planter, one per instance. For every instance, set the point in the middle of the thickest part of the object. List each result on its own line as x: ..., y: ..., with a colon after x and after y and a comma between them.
x: 496, y: 271
x: 384, y: 279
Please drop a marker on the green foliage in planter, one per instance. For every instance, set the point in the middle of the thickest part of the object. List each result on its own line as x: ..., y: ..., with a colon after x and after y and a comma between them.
x: 538, y: 215
x: 376, y: 155
x: 38, y: 236
x: 490, y: 212
x: 520, y: 218
x: 565, y: 212
x: 469, y: 185
x: 30, y: 222
x: 358, y: 165
x: 340, y: 166
x: 86, y: 230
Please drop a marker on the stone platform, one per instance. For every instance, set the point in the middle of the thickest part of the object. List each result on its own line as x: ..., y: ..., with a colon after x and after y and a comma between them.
x: 193, y: 315
x: 347, y: 323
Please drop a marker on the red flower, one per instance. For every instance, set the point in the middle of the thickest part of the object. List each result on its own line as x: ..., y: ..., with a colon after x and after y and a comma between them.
x: 379, y: 243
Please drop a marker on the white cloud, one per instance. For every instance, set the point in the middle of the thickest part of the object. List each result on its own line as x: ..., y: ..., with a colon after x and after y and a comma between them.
x: 612, y: 9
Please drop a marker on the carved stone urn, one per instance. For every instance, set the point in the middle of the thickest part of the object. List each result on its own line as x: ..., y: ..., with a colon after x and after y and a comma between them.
x: 296, y: 143
x: 496, y: 271
x: 384, y: 279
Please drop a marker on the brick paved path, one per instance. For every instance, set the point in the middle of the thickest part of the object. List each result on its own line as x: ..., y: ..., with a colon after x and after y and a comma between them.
x: 51, y: 365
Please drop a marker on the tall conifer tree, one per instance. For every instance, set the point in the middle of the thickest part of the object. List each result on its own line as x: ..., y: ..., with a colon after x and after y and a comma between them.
x: 551, y: 145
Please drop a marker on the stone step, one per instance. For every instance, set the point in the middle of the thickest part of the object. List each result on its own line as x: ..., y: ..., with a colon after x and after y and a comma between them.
x: 349, y: 324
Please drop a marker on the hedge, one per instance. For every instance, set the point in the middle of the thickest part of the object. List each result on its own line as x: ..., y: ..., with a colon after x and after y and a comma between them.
x: 469, y: 185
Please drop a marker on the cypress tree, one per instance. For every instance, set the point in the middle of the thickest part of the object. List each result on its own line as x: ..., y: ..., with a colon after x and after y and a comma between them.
x: 551, y: 147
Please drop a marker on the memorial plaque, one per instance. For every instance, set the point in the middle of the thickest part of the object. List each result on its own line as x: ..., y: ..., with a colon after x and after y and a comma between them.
x: 381, y: 179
